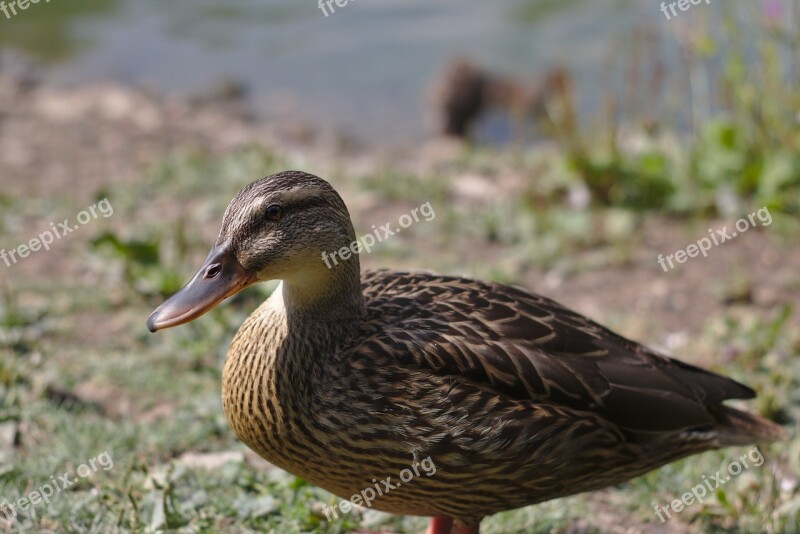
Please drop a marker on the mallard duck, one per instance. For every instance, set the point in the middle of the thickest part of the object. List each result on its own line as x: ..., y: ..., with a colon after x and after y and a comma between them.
x: 466, y: 92
x: 350, y: 380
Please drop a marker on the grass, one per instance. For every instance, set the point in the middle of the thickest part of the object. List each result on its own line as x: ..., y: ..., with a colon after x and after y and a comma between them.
x: 151, y: 400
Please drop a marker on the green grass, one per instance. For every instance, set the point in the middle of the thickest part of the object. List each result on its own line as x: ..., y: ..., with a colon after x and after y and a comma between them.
x: 148, y: 400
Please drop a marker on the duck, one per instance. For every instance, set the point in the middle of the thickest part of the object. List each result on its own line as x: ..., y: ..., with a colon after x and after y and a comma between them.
x: 422, y: 394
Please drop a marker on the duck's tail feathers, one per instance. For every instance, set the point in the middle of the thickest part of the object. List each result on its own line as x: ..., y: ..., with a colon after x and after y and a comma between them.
x: 736, y: 427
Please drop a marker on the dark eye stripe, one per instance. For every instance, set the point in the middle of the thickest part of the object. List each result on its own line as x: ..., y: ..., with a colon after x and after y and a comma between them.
x: 305, y: 203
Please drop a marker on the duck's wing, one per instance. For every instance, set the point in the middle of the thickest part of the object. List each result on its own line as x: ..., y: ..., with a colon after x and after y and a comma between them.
x: 525, y: 346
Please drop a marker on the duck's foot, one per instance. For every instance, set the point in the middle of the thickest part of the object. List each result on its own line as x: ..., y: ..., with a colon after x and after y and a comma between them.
x: 445, y: 525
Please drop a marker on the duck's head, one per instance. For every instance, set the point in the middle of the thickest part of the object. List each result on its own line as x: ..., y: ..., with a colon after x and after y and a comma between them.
x: 276, y: 228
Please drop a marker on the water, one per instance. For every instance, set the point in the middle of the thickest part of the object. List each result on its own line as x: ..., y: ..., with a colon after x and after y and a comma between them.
x: 363, y: 69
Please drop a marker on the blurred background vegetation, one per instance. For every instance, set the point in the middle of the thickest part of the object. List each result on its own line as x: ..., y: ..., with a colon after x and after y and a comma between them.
x: 659, y: 130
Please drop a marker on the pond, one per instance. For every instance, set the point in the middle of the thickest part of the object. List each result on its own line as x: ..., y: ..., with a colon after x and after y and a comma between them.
x: 365, y: 68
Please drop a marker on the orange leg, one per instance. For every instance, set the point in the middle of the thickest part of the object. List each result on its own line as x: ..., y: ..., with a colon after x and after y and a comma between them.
x: 440, y: 525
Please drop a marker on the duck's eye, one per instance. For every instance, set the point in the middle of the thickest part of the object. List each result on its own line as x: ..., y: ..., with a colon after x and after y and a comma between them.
x: 274, y: 212
x: 213, y: 271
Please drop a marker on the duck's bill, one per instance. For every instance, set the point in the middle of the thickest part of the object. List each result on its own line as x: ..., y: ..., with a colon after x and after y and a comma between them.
x: 220, y: 277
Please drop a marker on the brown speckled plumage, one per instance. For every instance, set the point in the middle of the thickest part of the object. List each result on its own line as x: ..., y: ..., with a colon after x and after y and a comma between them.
x: 514, y: 398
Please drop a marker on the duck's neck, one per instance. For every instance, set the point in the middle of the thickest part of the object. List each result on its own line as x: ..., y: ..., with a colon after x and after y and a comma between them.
x: 325, y: 296
x: 283, y: 351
